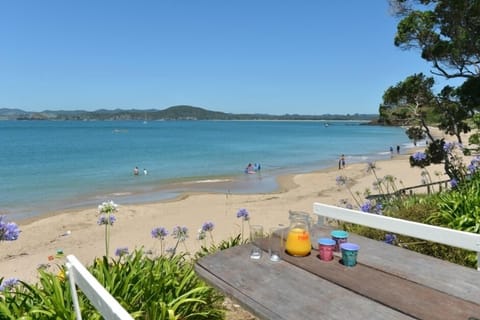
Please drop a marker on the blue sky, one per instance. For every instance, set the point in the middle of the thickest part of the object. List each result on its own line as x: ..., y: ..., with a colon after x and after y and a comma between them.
x: 251, y: 56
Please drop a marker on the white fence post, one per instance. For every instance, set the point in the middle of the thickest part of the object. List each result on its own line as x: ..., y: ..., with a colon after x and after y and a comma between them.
x: 102, y: 300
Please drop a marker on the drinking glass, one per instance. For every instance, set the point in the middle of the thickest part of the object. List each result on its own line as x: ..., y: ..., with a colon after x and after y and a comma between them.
x: 256, y: 234
x: 275, y: 243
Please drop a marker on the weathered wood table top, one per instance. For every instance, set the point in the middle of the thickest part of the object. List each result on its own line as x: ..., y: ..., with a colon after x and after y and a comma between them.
x: 388, y: 282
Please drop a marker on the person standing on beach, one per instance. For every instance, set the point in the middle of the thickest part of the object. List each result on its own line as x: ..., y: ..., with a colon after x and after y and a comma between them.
x: 341, y: 162
x: 398, y: 149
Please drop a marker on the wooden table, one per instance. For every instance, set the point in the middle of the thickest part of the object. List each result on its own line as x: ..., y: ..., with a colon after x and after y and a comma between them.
x: 388, y: 282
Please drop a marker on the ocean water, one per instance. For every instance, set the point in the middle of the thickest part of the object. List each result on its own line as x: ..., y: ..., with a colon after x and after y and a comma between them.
x: 48, y: 166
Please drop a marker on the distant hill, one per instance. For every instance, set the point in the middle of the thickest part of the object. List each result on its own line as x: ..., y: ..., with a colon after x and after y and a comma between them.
x: 181, y: 112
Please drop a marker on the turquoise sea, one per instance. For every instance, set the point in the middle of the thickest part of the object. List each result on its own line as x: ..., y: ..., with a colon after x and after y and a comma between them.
x: 47, y: 166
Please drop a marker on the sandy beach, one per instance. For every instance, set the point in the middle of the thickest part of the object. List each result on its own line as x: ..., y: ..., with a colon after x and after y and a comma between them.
x: 77, y: 232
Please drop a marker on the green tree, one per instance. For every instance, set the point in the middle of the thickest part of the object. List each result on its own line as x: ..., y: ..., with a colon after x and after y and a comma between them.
x: 446, y: 31
x: 415, y: 134
x: 410, y: 101
x: 454, y: 114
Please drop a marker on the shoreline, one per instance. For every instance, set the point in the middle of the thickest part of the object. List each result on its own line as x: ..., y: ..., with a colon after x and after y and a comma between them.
x: 266, y: 181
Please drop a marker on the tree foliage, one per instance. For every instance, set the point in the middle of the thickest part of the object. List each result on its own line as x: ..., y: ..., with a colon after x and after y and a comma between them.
x: 409, y: 102
x: 446, y: 32
x: 453, y: 114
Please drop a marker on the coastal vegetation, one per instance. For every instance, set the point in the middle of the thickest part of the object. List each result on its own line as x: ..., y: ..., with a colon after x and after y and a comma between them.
x: 454, y: 208
x: 147, y: 284
x: 446, y: 33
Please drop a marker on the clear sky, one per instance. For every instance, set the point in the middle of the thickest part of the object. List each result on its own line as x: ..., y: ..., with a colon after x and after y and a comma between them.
x: 250, y: 56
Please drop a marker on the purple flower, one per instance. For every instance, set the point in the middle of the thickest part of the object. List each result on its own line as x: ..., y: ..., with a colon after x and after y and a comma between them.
x: 419, y: 156
x: 159, y: 233
x: 243, y: 213
x: 106, y: 219
x: 378, y: 209
x: 471, y: 168
x: 372, y: 207
x: 207, y: 227
x: 121, y: 251
x: 8, y: 230
x: 474, y: 164
x: 448, y: 146
x: 390, y: 238
x: 180, y: 233
x: 366, y: 207
x: 453, y: 183
x: 8, y: 284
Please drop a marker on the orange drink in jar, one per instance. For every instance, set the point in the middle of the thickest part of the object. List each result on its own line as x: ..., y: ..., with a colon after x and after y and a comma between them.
x: 298, y: 242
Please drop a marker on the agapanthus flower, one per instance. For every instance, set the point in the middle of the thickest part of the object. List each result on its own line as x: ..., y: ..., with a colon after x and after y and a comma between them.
x: 448, y: 146
x: 474, y: 164
x: 8, y: 284
x: 419, y: 156
x: 159, y: 233
x: 108, y: 207
x: 9, y: 231
x: 378, y: 209
x: 453, y: 183
x: 390, y: 238
x: 180, y: 233
x: 471, y: 168
x: 106, y: 219
x: 122, y: 251
x: 208, y: 227
x: 243, y: 213
x: 366, y: 206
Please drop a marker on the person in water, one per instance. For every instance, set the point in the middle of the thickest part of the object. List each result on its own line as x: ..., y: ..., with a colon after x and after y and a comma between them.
x: 249, y: 168
x: 135, y: 171
x: 145, y: 172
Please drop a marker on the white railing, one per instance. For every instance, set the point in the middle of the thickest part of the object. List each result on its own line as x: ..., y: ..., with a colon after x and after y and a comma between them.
x: 460, y: 239
x: 95, y: 292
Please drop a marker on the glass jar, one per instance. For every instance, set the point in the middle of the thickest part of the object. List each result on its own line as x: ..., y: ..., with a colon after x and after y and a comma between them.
x: 298, y: 236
